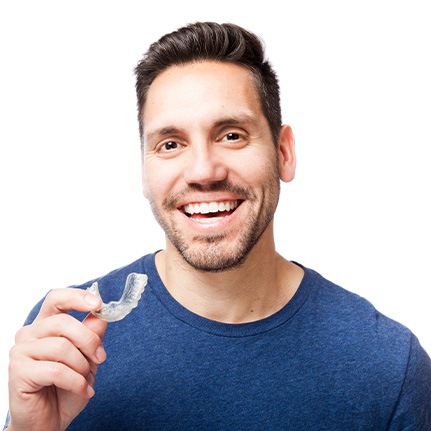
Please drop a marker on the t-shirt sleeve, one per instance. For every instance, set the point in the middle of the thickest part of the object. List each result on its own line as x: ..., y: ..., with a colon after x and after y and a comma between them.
x: 34, y: 312
x: 413, y: 410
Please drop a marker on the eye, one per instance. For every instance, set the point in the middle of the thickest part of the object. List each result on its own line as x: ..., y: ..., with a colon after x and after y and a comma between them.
x: 233, y: 136
x: 169, y: 146
x: 234, y: 139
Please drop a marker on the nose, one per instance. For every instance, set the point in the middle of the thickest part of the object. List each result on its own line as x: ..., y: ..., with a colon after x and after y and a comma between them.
x: 204, y: 165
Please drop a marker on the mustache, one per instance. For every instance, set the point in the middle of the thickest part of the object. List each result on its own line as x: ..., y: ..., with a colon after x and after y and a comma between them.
x: 220, y: 186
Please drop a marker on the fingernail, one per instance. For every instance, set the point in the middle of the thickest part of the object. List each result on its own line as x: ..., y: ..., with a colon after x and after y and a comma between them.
x: 100, y: 354
x: 90, y: 391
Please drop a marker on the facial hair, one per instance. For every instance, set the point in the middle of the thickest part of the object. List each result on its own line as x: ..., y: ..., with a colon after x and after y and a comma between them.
x: 215, y: 253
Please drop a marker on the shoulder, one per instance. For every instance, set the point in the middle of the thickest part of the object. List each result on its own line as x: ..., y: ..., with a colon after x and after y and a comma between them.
x: 346, y: 308
x: 382, y: 354
x: 351, y: 323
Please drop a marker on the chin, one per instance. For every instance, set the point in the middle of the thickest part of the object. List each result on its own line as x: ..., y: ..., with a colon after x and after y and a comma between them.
x: 209, y: 257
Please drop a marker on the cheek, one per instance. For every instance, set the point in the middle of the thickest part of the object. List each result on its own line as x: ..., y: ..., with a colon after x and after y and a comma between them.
x: 144, y: 186
x: 257, y: 170
x: 158, y: 181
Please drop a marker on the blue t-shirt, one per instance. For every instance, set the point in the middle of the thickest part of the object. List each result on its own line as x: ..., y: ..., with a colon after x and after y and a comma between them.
x: 326, y: 361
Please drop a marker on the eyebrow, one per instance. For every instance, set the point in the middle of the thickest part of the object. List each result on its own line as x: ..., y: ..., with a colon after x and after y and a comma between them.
x: 236, y: 120
x: 163, y: 131
x: 231, y: 120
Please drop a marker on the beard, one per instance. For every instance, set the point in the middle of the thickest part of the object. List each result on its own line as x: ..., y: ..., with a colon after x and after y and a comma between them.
x: 215, y: 252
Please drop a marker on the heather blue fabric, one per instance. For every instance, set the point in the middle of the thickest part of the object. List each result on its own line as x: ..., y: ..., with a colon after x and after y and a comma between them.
x: 327, y: 361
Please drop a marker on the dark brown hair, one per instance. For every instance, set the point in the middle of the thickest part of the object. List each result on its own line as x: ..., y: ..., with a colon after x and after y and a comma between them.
x: 218, y: 42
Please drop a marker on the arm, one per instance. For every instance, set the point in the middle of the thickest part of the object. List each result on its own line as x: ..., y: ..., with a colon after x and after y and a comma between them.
x: 54, y: 362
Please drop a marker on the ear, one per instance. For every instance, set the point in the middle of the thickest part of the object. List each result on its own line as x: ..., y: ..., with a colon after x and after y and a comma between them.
x: 286, y: 154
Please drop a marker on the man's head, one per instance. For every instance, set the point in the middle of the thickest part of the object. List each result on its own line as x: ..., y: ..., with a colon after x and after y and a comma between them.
x: 212, y: 161
x: 218, y: 42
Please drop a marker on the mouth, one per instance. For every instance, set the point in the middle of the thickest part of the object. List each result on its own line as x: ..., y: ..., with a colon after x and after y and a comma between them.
x: 207, y: 210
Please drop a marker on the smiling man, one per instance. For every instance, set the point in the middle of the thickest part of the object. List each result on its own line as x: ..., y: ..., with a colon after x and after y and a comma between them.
x: 228, y: 335
x: 209, y: 173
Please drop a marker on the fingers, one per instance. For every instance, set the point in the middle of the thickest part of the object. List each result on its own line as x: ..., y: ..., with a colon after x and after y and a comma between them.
x: 30, y: 376
x: 64, y: 326
x: 54, y: 361
x: 63, y: 300
x: 96, y: 325
x: 57, y: 349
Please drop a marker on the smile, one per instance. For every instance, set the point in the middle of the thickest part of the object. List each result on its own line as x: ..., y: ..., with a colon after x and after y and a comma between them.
x: 210, y: 208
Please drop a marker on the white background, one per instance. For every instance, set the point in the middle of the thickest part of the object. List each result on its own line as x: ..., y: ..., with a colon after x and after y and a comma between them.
x: 355, y: 79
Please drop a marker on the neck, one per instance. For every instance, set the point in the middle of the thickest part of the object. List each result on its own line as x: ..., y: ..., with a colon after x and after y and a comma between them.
x: 259, y: 287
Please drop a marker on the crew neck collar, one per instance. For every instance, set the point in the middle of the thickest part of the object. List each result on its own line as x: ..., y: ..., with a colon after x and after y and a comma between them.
x: 228, y: 329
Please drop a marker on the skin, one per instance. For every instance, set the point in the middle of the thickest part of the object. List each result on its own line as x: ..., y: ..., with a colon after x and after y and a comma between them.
x: 54, y: 362
x: 205, y: 140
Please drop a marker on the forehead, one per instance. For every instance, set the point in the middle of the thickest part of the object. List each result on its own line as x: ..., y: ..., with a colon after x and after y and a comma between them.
x: 200, y: 91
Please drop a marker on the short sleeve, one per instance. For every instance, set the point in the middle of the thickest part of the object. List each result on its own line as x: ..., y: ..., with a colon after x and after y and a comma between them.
x: 413, y: 410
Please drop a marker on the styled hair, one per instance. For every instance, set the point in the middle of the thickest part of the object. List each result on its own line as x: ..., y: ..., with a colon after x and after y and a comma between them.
x: 217, y: 42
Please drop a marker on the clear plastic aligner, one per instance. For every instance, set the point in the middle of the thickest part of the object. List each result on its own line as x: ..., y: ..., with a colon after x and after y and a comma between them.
x: 117, y: 310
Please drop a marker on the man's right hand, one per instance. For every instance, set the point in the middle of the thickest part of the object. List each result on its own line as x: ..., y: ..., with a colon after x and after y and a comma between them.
x: 54, y: 362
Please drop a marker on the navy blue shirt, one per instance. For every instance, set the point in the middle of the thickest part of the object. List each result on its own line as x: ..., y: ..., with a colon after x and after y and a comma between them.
x: 326, y: 361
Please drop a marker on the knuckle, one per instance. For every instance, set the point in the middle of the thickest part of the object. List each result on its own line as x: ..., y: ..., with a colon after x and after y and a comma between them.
x: 61, y: 347
x: 60, y: 323
x: 86, y: 368
x: 90, y: 339
x: 13, y: 352
x: 21, y: 334
x: 57, y: 371
x: 56, y: 301
x: 16, y: 364
x: 67, y: 327
x: 52, y: 296
x: 65, y: 377
x: 80, y: 383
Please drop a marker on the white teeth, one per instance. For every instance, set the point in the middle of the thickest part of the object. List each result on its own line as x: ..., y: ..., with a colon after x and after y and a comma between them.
x: 210, y: 207
x: 204, y: 209
x: 213, y: 207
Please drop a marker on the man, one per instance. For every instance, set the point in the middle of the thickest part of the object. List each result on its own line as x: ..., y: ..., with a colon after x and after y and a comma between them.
x: 228, y: 334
